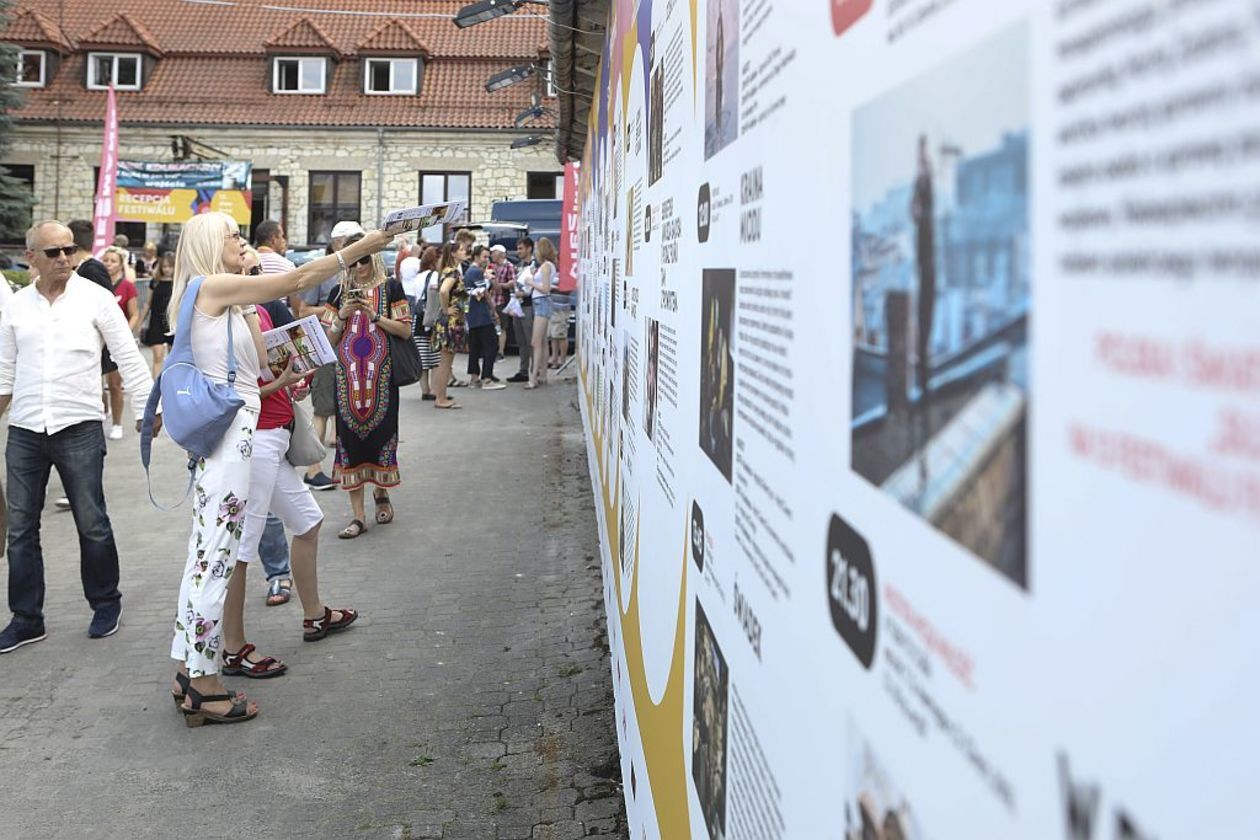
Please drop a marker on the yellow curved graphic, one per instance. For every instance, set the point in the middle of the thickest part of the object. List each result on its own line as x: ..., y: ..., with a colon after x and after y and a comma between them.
x: 660, y: 724
x: 695, y: 100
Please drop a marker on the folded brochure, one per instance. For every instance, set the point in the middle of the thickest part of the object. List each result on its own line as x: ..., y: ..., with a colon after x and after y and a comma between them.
x: 303, y: 341
x: 425, y: 216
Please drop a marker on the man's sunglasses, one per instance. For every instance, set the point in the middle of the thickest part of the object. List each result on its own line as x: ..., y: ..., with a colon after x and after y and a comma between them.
x: 64, y: 250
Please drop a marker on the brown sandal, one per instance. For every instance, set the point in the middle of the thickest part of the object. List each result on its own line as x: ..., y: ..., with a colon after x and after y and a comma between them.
x: 183, y: 682
x: 347, y: 534
x: 239, y: 664
x: 194, y: 715
x: 314, y: 629
x: 384, y: 510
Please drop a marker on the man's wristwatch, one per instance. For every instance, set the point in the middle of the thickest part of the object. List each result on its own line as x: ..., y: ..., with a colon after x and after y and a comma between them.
x: 375, y: 317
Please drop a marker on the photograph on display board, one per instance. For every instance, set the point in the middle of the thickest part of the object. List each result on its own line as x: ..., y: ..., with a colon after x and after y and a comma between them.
x: 708, y: 727
x: 717, y: 367
x: 625, y: 383
x: 697, y: 535
x: 875, y: 809
x: 651, y: 367
x: 721, y: 76
x: 656, y: 119
x: 941, y: 298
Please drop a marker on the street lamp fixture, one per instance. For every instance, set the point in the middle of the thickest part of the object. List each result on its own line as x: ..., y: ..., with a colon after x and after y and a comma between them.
x: 522, y: 142
x: 534, y: 112
x: 509, y: 77
x: 485, y: 10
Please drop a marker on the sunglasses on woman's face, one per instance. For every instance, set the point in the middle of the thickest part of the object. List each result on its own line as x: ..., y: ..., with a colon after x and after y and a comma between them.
x: 361, y: 261
x: 64, y: 250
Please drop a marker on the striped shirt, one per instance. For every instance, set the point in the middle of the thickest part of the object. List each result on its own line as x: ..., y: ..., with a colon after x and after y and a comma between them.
x: 273, y: 263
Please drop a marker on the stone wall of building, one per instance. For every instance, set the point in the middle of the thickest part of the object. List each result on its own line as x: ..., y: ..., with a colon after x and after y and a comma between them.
x: 64, y: 162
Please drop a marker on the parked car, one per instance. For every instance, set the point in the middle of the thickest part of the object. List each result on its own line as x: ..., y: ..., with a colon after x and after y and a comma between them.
x: 13, y: 262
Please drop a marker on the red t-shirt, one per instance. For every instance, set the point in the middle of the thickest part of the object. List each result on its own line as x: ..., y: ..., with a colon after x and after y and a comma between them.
x: 124, y: 292
x: 276, y: 411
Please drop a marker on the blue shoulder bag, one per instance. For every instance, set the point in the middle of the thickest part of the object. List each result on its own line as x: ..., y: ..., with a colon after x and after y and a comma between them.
x: 196, y: 411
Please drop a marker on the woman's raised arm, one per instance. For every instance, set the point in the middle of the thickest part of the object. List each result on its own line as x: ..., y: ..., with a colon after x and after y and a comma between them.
x: 220, y: 291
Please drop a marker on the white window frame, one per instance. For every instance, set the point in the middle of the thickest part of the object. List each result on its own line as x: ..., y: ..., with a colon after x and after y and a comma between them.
x: 393, y: 90
x: 323, y: 74
x: 94, y: 84
x: 43, y: 69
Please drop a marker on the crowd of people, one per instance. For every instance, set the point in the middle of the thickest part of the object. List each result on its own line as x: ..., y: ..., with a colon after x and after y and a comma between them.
x: 72, y: 334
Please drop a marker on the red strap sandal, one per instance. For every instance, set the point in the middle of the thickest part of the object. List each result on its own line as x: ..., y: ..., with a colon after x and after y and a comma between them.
x: 240, y: 665
x: 314, y: 629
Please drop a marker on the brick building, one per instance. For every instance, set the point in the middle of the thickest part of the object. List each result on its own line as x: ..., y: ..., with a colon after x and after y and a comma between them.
x: 346, y: 108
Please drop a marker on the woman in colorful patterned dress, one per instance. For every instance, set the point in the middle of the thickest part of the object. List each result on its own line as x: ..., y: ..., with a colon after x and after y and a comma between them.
x: 362, y: 312
x: 450, y: 329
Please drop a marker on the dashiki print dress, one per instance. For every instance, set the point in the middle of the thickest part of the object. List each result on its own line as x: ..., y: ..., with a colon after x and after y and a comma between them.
x: 367, y: 401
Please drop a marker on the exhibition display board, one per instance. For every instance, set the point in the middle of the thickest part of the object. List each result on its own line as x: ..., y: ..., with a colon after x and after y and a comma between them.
x: 920, y: 373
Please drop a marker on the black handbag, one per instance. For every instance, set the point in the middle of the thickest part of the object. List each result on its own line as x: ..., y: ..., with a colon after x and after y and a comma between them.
x: 405, y: 366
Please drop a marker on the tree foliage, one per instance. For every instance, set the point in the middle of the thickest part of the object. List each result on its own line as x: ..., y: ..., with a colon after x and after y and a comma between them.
x: 15, y: 196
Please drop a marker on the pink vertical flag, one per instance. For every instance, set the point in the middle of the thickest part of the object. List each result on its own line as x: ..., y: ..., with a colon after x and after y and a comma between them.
x: 105, y: 213
x: 569, y: 221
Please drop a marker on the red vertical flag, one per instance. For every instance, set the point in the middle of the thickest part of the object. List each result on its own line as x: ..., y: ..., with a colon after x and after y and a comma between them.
x: 568, y: 267
x: 105, y: 213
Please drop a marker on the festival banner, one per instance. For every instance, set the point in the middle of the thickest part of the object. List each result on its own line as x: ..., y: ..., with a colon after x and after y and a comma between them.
x: 920, y: 377
x: 568, y: 267
x: 174, y: 192
x: 105, y: 211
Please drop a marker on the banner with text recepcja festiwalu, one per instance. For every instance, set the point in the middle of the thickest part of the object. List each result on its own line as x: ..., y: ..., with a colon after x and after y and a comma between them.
x: 920, y: 372
x: 166, y: 192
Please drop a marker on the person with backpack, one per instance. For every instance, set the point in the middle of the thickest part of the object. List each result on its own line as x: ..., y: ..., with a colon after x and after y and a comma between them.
x: 225, y: 345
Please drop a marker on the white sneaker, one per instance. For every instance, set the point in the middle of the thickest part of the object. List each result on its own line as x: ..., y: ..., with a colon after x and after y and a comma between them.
x: 115, y: 433
x: 62, y: 504
x: 492, y: 386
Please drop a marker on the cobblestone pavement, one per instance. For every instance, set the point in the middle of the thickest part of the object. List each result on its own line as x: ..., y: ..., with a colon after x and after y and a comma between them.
x: 471, y: 700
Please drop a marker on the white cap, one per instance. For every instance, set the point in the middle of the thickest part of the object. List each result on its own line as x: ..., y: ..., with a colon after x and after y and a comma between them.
x: 347, y: 228
x: 498, y: 249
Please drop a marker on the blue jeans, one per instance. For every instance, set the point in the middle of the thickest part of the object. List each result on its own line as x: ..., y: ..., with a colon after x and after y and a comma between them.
x: 78, y: 453
x: 273, y: 549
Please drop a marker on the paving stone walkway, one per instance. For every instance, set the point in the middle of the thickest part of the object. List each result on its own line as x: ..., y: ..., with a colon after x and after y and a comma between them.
x: 472, y: 700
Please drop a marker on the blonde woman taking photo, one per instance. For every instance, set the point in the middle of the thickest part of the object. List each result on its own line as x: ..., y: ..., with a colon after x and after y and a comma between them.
x: 211, y: 247
x: 539, y: 284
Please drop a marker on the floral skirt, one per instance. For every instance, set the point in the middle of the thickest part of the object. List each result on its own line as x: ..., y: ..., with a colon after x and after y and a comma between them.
x: 447, y: 336
x: 221, y: 488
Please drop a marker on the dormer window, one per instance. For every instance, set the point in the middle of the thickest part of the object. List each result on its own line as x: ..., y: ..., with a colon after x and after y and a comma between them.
x: 120, y: 69
x: 390, y: 75
x: 32, y: 69
x: 300, y: 75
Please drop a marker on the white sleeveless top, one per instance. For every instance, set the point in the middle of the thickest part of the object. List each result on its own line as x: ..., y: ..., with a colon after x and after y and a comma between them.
x: 209, y: 347
x: 536, y: 274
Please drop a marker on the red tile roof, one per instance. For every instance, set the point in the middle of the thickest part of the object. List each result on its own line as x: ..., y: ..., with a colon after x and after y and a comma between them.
x: 228, y: 43
x: 34, y: 29
x: 393, y: 37
x: 303, y: 35
x: 121, y: 31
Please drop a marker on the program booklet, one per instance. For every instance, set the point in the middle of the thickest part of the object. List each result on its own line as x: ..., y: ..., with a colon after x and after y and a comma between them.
x: 303, y: 341
x: 425, y: 216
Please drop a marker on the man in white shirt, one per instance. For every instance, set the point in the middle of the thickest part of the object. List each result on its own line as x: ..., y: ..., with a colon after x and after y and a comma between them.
x: 51, y: 336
